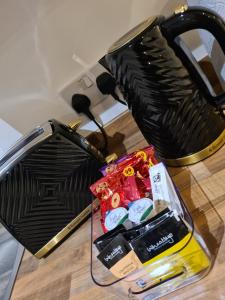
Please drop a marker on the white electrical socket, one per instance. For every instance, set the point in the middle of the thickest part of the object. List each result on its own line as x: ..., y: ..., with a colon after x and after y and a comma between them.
x: 104, y: 107
x: 85, y: 84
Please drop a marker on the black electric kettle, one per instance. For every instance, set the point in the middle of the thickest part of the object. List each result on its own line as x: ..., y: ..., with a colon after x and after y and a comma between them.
x: 165, y: 89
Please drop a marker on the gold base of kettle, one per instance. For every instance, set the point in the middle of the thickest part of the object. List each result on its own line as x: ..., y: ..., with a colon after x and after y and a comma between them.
x: 198, y: 156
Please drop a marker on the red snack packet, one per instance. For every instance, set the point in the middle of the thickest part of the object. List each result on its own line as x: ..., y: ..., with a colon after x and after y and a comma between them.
x: 130, y: 189
x: 140, y: 173
x: 127, y: 181
x: 110, y: 193
x: 116, y: 190
x: 147, y: 154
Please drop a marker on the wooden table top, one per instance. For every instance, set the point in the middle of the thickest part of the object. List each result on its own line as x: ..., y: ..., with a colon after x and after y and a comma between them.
x: 65, y: 274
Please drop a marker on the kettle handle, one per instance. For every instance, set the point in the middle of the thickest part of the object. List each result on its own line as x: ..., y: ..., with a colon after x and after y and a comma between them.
x: 196, y: 18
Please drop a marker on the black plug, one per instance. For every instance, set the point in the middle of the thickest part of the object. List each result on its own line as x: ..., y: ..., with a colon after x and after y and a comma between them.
x: 107, y: 86
x: 81, y: 104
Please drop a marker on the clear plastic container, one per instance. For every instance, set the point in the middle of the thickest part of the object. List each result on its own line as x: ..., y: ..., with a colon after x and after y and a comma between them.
x: 178, y: 266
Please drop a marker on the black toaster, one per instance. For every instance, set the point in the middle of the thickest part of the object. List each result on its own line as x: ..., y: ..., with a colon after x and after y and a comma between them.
x: 44, y: 185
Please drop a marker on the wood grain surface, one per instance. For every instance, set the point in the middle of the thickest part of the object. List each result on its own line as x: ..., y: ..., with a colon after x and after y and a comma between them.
x: 65, y: 274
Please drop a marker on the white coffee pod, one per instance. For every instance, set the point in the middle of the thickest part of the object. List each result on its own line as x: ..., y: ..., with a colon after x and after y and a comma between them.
x: 140, y: 210
x: 115, y: 217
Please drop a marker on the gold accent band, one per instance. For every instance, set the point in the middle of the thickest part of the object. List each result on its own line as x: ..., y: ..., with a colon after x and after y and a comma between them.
x: 130, y: 35
x: 110, y: 158
x: 65, y: 231
x: 74, y: 125
x: 181, y: 9
x: 195, y: 157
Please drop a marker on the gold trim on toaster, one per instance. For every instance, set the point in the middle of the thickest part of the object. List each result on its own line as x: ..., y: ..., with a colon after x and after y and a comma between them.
x: 65, y: 231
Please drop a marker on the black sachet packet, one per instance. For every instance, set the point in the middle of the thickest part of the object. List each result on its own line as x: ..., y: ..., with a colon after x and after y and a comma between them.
x: 102, y: 241
x: 159, y: 238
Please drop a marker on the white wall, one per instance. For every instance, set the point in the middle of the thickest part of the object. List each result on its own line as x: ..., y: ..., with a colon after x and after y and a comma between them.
x: 142, y: 9
x: 46, y: 44
x: 37, y: 42
x: 145, y: 8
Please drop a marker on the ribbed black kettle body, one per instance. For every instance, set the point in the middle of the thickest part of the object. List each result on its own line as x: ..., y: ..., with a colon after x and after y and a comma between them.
x: 170, y: 105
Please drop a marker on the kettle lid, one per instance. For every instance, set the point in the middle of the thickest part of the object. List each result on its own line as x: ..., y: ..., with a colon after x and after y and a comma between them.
x: 131, y: 34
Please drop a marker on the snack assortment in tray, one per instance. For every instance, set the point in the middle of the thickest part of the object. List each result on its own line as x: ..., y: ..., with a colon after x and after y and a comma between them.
x: 144, y: 223
x: 125, y: 191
